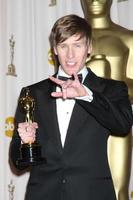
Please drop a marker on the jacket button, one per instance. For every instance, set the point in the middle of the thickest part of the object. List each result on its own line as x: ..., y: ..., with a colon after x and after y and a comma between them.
x: 64, y: 181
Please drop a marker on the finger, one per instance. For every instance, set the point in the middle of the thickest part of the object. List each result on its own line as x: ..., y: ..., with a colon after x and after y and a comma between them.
x: 75, y: 77
x: 26, y: 130
x: 27, y: 126
x: 21, y: 131
x: 28, y: 140
x: 29, y: 129
x: 25, y: 136
x: 22, y: 124
x: 67, y: 84
x: 64, y: 93
x: 56, y: 80
x: 56, y: 94
x: 35, y: 124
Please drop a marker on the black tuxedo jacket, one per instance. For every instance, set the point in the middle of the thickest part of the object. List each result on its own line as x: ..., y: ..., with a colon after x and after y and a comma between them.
x: 80, y: 169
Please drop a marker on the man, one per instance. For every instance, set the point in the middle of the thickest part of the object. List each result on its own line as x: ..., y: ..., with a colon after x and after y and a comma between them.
x: 74, y: 120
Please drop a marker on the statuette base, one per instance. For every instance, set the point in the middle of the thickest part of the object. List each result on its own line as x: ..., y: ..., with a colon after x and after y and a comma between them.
x: 30, y: 154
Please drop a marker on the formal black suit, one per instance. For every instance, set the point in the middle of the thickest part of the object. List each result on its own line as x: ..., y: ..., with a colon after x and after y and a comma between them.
x: 80, y: 170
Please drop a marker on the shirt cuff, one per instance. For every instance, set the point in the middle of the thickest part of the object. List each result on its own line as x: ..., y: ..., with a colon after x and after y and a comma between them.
x: 88, y: 97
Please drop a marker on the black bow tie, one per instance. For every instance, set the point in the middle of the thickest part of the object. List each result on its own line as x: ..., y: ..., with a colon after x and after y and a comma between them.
x: 64, y: 78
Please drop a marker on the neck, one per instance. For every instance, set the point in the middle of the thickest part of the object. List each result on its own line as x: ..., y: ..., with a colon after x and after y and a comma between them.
x: 99, y: 22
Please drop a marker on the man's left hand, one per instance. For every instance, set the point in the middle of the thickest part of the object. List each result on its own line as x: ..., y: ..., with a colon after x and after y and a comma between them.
x: 69, y: 89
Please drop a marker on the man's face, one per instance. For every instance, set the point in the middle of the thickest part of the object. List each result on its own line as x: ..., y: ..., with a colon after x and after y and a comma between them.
x: 97, y: 6
x: 72, y: 54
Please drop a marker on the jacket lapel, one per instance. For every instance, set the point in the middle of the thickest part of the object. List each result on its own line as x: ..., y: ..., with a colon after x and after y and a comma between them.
x: 48, y: 111
x: 93, y: 82
x: 79, y: 115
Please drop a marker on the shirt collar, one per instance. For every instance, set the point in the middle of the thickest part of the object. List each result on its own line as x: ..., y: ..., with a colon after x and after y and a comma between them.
x: 83, y: 71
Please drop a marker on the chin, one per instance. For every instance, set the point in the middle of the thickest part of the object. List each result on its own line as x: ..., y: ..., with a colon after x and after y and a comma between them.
x: 73, y: 71
x: 69, y: 72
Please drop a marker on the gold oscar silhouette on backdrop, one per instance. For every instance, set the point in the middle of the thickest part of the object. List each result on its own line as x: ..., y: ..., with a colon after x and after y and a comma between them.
x: 112, y: 57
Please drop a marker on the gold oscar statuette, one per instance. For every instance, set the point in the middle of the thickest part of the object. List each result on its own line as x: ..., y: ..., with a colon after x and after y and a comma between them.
x: 30, y: 153
x: 11, y: 66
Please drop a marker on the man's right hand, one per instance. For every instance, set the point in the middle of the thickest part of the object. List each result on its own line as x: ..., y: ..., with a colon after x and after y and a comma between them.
x: 27, y: 132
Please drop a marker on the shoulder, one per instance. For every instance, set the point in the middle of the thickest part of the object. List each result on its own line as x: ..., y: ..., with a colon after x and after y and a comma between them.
x: 105, y: 81
x: 113, y: 88
x: 108, y: 87
x: 125, y: 34
x: 112, y: 83
x: 42, y: 86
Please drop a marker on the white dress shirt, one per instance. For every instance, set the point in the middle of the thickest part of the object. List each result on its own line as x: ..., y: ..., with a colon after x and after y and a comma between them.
x: 65, y: 107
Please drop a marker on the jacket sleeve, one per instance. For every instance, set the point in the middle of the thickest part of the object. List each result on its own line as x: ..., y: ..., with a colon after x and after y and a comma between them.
x: 111, y: 108
x: 16, y: 140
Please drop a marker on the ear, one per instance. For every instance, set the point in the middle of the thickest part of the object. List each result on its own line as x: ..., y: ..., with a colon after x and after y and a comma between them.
x: 55, y: 51
x: 89, y: 47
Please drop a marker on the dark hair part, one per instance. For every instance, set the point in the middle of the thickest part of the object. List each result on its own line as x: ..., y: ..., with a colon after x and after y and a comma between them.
x: 66, y: 27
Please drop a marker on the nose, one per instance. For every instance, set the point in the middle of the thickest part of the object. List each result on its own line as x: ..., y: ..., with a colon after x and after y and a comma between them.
x: 70, y: 52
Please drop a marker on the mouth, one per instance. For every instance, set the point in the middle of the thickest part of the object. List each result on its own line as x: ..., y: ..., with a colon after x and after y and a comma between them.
x: 70, y: 63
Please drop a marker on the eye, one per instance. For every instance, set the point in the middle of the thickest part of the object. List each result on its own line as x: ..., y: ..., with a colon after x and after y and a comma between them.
x: 62, y: 46
x: 77, y: 45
